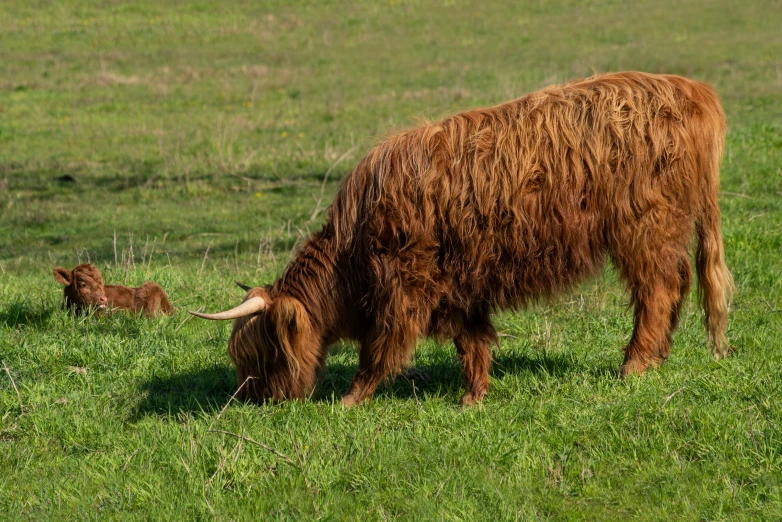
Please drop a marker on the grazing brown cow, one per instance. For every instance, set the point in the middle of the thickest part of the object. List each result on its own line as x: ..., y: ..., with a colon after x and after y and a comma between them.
x: 84, y: 288
x: 439, y: 226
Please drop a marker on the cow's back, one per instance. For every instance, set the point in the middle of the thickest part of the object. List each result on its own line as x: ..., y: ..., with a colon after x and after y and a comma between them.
x: 510, y: 203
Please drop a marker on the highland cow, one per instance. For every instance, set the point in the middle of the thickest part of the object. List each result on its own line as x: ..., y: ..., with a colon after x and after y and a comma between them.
x: 84, y: 289
x: 490, y: 209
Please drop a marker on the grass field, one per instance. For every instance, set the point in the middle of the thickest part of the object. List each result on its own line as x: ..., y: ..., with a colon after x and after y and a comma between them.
x: 197, y: 136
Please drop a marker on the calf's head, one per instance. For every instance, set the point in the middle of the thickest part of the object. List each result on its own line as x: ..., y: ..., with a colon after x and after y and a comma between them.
x: 273, y: 346
x: 83, y: 287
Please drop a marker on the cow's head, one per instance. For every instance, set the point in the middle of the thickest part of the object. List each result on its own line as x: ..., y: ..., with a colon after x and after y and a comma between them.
x: 83, y: 287
x: 272, y: 345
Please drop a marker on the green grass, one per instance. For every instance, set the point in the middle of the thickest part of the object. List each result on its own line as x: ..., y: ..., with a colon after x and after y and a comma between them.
x: 198, y: 134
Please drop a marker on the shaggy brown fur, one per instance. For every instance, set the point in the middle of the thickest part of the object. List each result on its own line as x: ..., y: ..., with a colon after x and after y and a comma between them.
x: 84, y: 289
x: 439, y: 226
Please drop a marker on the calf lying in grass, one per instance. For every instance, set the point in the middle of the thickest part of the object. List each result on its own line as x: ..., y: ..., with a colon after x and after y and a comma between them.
x: 84, y: 288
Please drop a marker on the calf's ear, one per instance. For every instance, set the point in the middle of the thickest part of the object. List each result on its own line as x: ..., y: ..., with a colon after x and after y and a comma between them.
x: 63, y: 276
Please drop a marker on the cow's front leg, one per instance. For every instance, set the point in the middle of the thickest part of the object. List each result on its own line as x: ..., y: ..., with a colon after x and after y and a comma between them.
x: 473, y: 344
x: 383, y: 354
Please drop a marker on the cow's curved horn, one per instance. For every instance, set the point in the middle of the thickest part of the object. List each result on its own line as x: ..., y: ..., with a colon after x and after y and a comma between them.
x: 249, y: 307
x: 243, y: 286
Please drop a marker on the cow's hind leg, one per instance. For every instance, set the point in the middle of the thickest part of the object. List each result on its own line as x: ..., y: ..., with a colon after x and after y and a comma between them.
x: 473, y: 344
x: 685, y: 281
x: 657, y: 299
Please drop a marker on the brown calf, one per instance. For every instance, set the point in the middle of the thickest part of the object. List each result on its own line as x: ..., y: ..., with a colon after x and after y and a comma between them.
x: 84, y: 289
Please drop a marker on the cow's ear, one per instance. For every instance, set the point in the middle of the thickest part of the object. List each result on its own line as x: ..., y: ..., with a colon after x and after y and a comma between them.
x: 63, y: 276
x: 290, y: 319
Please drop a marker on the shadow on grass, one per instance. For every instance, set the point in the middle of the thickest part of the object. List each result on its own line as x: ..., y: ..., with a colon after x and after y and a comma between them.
x: 444, y: 377
x: 22, y: 313
x: 209, y: 389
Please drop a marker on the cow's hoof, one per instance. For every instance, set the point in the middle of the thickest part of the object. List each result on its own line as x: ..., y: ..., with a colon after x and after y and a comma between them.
x: 348, y: 401
x: 632, y: 367
x: 636, y: 367
x: 470, y: 399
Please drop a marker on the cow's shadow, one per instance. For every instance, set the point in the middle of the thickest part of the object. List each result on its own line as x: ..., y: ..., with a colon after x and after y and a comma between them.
x: 202, y: 390
x: 210, y: 389
x: 443, y: 377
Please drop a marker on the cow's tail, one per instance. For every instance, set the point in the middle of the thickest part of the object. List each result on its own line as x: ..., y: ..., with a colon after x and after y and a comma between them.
x: 715, y: 283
